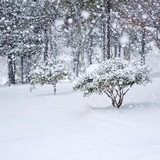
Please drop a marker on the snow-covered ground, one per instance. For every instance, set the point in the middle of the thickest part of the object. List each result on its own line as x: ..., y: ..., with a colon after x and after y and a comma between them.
x: 41, y: 126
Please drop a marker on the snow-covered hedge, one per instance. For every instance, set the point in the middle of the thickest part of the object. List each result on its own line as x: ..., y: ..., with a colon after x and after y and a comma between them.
x: 114, y: 78
x: 49, y: 72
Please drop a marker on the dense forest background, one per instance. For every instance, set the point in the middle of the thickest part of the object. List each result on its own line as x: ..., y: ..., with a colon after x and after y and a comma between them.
x: 79, y: 32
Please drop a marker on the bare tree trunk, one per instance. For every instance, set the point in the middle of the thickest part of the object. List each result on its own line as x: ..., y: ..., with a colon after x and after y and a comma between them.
x: 115, y: 51
x: 108, y: 10
x: 104, y: 38
x: 119, y: 49
x: 11, y: 75
x: 116, y: 96
x: 90, y: 49
x: 28, y: 67
x: 106, y: 31
x: 143, y: 49
x: 22, y: 70
x: 53, y: 43
x: 126, y: 50
x: 76, y: 63
x: 117, y: 101
x: 46, y: 45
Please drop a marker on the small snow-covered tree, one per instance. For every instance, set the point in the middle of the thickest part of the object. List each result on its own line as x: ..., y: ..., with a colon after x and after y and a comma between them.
x: 50, y: 72
x: 114, y: 78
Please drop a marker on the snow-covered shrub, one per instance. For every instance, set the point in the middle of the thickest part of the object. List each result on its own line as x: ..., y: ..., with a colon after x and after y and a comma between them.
x: 114, y: 78
x: 49, y: 72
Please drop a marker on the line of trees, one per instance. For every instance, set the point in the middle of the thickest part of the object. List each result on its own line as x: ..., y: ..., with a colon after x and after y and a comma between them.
x: 80, y: 32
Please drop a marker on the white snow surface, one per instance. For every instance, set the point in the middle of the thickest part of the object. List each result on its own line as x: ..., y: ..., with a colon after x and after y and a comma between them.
x: 39, y: 125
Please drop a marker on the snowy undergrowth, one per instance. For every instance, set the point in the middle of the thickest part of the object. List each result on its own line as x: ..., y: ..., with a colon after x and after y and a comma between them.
x: 39, y: 125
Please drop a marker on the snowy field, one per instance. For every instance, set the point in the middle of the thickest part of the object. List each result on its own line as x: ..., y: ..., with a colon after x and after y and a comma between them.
x: 41, y: 126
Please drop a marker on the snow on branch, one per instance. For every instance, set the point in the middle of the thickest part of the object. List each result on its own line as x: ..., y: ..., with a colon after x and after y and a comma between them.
x: 114, y: 78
